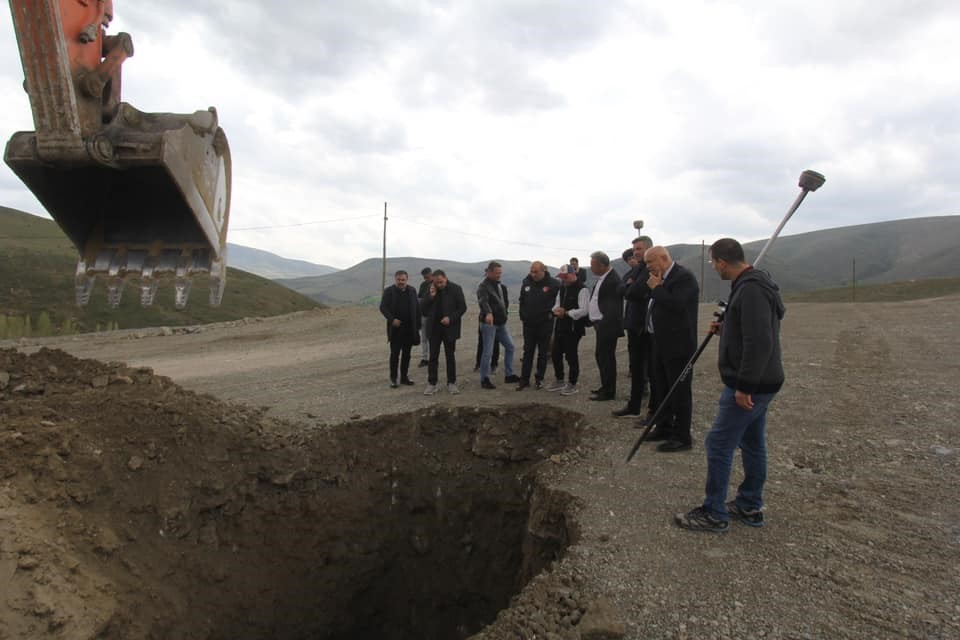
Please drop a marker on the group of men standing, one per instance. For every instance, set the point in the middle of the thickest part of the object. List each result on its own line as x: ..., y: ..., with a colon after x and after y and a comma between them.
x: 656, y: 304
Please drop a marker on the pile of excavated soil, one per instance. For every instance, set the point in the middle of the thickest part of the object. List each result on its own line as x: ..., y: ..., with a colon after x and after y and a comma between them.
x: 131, y: 508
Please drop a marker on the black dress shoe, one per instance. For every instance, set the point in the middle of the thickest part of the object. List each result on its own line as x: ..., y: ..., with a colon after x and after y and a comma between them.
x: 674, y: 445
x: 393, y: 384
x: 511, y: 379
x: 407, y: 381
x: 626, y: 412
x: 486, y: 384
x: 601, y: 397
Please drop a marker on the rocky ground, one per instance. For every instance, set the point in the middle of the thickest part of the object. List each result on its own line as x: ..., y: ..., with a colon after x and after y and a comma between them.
x: 863, y: 523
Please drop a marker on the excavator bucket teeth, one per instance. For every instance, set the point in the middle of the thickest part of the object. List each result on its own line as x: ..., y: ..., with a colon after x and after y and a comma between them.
x: 150, y: 198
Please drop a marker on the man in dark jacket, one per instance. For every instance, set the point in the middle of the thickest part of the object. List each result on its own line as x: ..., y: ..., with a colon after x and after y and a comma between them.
x: 636, y: 293
x: 400, y: 307
x: 606, y: 316
x: 672, y: 320
x: 751, y: 368
x: 538, y: 294
x: 580, y: 271
x: 570, y: 312
x: 443, y: 309
x: 492, y: 300
x: 427, y: 274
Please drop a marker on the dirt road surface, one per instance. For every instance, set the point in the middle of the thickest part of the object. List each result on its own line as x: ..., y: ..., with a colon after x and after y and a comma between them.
x: 863, y: 518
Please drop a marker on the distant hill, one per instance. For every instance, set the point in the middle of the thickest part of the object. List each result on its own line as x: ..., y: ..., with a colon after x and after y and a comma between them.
x: 916, y: 248
x: 37, y: 265
x: 888, y: 292
x: 270, y: 265
x: 361, y: 282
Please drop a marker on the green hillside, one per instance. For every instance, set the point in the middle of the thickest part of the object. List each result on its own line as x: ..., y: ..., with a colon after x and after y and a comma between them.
x: 889, y: 292
x: 37, y: 265
x: 360, y: 284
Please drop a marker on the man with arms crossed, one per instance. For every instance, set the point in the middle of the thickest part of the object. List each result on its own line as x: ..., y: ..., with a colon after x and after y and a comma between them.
x: 752, y: 372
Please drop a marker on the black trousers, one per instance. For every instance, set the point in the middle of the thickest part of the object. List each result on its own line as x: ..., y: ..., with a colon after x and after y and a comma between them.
x: 400, y: 354
x: 665, y: 368
x: 495, y: 358
x: 438, y: 336
x: 536, y: 337
x: 638, y: 349
x: 605, y: 354
x: 565, y: 346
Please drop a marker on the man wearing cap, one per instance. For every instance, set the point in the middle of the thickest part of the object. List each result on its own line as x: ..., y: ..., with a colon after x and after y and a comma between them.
x: 422, y: 293
x: 538, y: 293
x: 606, y: 317
x: 570, y: 311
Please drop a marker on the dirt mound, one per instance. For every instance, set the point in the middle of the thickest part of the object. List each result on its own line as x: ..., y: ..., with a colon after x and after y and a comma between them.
x: 132, y: 508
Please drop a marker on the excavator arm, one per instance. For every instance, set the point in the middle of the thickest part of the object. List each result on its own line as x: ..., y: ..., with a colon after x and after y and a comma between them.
x: 144, y: 197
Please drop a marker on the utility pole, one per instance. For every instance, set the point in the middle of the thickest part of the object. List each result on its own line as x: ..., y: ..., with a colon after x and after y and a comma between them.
x: 383, y: 276
x: 853, y: 280
x: 703, y: 257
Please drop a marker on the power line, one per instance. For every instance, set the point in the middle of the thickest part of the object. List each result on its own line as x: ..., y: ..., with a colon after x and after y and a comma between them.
x: 301, y: 224
x: 493, y: 238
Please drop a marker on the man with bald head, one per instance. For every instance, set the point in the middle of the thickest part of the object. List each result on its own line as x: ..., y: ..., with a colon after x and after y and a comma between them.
x: 538, y: 292
x: 672, y: 321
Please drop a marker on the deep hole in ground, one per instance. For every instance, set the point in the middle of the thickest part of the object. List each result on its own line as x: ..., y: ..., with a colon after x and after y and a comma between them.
x: 135, y: 509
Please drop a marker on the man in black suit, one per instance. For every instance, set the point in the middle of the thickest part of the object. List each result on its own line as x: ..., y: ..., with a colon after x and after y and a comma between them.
x: 672, y: 320
x: 606, y: 317
x: 442, y: 310
x: 635, y: 291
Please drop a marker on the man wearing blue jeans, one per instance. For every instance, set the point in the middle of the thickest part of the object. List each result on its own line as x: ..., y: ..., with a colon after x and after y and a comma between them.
x: 491, y: 298
x: 751, y: 368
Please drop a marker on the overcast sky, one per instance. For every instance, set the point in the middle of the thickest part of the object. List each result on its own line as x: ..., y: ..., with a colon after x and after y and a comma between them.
x: 537, y: 129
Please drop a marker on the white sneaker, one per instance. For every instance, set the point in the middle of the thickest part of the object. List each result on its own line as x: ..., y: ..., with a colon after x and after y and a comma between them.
x: 430, y: 390
x: 453, y: 389
x: 556, y: 385
x: 569, y: 389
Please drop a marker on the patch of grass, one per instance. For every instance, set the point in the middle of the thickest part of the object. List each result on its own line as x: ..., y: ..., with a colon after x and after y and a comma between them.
x: 889, y: 292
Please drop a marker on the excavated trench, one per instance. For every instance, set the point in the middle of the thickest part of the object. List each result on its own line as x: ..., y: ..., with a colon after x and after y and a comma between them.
x: 436, y: 520
x: 134, y: 509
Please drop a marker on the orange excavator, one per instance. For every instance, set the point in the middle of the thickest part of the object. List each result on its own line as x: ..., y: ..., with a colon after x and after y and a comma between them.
x: 144, y: 197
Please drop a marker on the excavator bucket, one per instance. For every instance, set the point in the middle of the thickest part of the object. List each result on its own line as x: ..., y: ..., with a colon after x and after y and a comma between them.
x: 144, y: 197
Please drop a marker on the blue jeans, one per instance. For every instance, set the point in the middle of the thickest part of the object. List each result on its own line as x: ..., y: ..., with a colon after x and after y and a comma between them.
x: 734, y: 427
x: 500, y: 333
